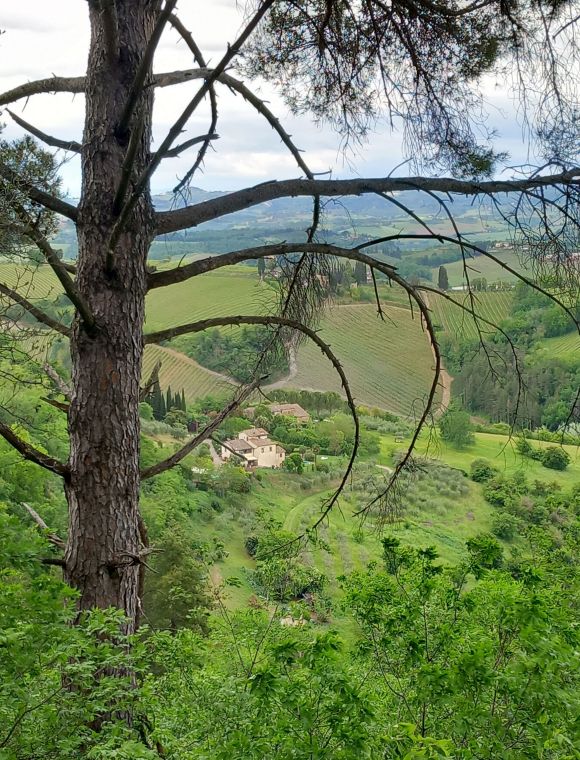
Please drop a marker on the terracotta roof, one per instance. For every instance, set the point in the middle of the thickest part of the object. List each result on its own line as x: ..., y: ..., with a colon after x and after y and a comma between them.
x: 238, y: 444
x: 257, y: 442
x: 292, y: 409
x: 254, y: 432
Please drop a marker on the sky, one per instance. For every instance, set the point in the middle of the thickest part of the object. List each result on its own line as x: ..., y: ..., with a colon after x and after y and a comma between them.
x: 41, y: 39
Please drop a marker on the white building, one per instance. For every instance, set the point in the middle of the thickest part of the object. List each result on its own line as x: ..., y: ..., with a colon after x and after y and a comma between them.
x: 254, y: 446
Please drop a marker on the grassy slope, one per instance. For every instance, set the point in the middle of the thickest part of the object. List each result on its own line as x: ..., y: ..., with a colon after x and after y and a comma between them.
x: 500, y: 451
x: 351, y: 544
x: 446, y: 528
x: 179, y: 372
x: 481, y: 266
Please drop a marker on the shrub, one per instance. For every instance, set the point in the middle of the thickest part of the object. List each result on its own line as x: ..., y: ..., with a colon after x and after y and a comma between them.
x: 251, y: 545
x: 524, y: 447
x: 482, y: 470
x: 555, y: 458
x: 505, y: 526
x: 485, y: 553
x: 497, y: 491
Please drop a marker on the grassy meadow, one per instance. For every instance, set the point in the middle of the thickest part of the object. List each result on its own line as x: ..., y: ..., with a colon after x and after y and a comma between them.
x: 482, y: 266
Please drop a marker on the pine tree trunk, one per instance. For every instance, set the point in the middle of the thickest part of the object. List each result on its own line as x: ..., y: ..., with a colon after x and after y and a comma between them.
x: 103, y: 489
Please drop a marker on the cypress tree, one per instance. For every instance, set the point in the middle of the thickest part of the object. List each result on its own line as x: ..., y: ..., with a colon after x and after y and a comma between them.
x: 169, y: 400
x: 156, y: 400
x: 443, y: 279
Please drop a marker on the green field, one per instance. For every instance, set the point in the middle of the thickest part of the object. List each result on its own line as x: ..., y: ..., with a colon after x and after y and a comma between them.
x: 493, y: 306
x: 563, y: 347
x: 481, y: 266
x: 180, y: 372
x: 32, y: 281
x: 499, y: 450
x: 346, y: 542
x: 389, y: 364
x: 223, y: 293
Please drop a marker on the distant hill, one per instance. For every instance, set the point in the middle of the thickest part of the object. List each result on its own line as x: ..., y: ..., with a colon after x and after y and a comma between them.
x: 353, y: 219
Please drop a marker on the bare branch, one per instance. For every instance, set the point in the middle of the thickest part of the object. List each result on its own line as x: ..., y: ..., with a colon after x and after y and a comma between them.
x: 52, y: 537
x: 295, y: 325
x: 54, y: 142
x: 62, y: 407
x: 146, y: 389
x: 178, y: 126
x: 127, y: 167
x: 199, y: 58
x: 38, y: 196
x: 31, y: 453
x: 57, y: 380
x: 174, y: 152
x: 37, y: 313
x: 191, y: 216
x: 60, y: 271
x: 174, y: 459
x: 179, y: 274
x: 40, y: 86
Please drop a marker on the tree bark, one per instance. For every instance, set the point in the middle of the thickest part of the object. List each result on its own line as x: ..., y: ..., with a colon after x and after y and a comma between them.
x: 102, y: 554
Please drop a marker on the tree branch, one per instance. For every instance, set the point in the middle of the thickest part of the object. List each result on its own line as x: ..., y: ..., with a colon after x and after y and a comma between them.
x: 179, y: 274
x: 127, y: 167
x: 60, y: 271
x: 54, y: 142
x: 38, y: 196
x: 174, y: 459
x: 57, y: 380
x: 52, y: 537
x: 62, y: 407
x: 31, y: 453
x: 200, y: 60
x: 146, y: 389
x: 50, y: 85
x: 178, y: 126
x: 294, y: 325
x: 174, y: 152
x: 37, y: 313
x: 191, y: 216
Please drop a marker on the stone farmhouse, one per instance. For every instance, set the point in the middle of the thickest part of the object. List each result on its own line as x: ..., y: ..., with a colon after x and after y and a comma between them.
x: 254, y: 449
x: 288, y: 410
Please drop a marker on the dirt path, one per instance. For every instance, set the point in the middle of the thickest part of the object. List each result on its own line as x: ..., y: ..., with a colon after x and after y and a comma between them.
x: 293, y: 371
x: 215, y: 457
x: 445, y: 382
x: 445, y: 378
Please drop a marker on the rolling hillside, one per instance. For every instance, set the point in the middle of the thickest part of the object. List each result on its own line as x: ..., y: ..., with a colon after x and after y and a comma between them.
x: 493, y: 306
x: 389, y: 364
x: 181, y: 372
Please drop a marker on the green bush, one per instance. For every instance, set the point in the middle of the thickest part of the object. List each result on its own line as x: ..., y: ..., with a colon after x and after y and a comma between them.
x: 505, y: 526
x: 555, y: 458
x: 482, y: 470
